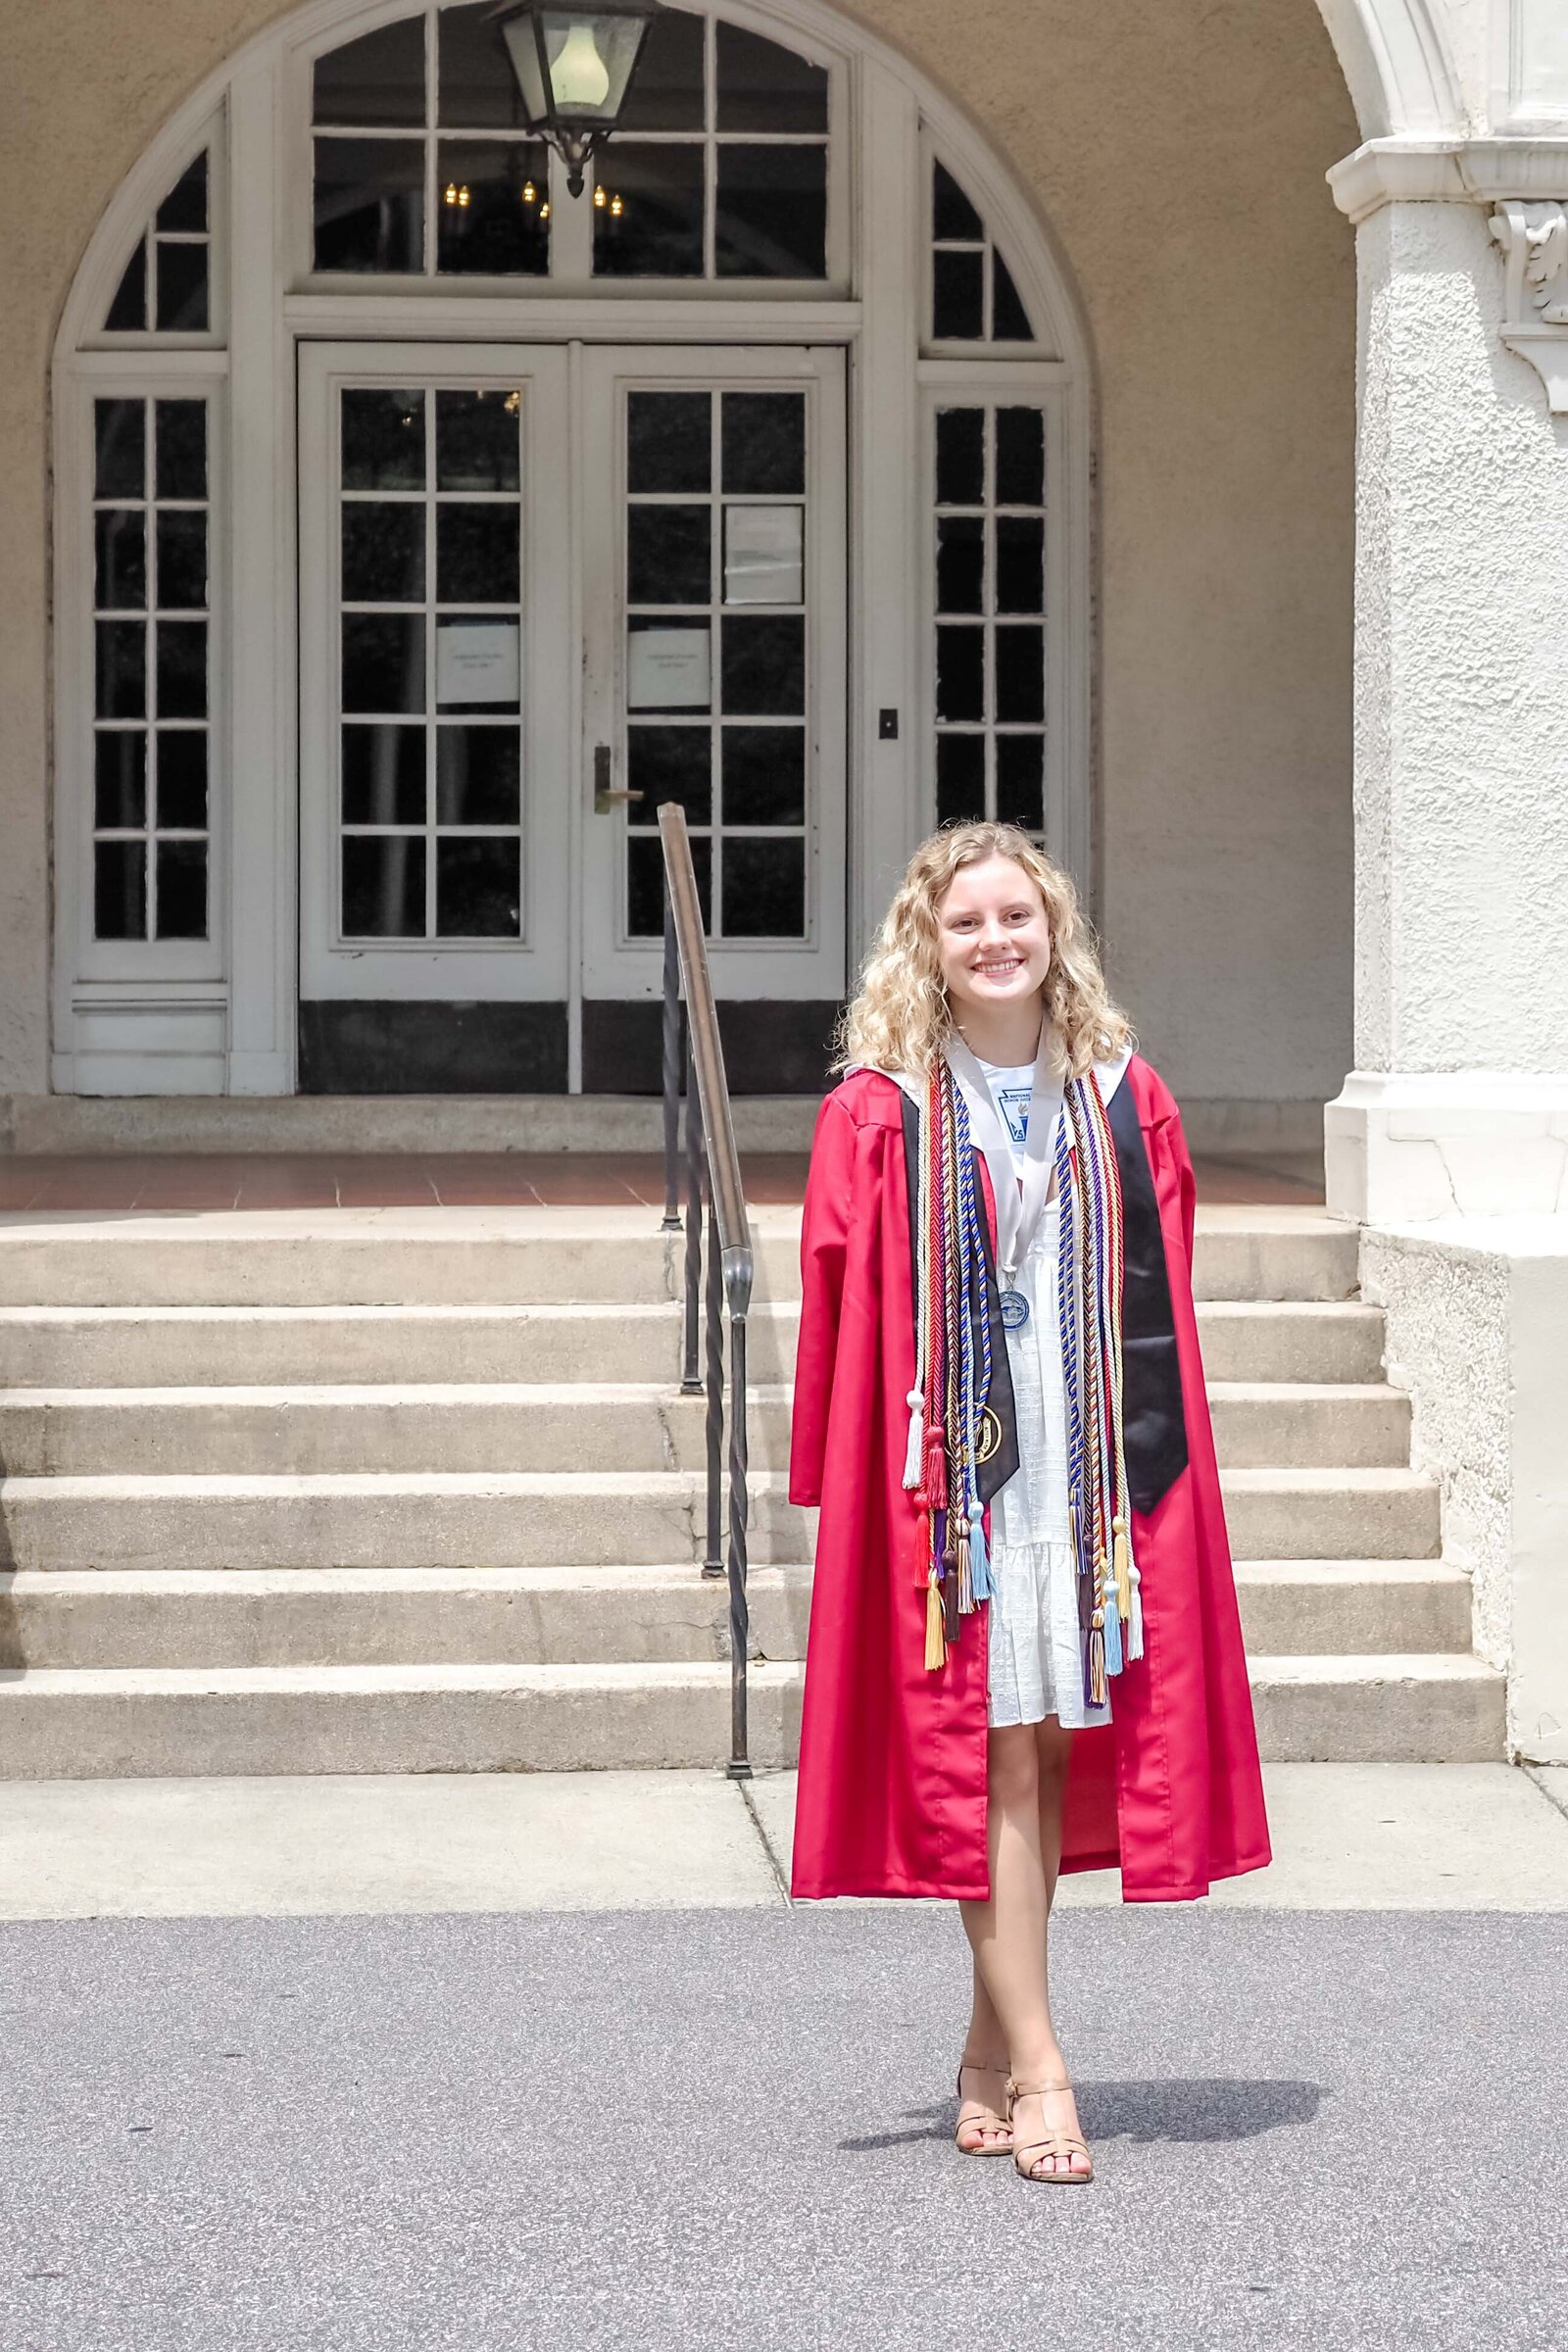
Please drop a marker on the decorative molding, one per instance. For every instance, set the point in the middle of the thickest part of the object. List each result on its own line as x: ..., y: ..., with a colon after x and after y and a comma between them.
x: 1535, y: 243
x: 1448, y: 171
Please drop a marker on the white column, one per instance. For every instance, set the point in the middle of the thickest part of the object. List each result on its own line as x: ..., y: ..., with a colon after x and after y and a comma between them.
x: 1458, y: 1102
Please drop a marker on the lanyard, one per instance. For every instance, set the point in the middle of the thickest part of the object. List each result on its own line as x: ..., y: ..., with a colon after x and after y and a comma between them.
x: 1019, y: 1206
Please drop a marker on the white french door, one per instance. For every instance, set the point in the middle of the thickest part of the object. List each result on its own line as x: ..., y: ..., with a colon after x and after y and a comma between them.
x: 543, y: 590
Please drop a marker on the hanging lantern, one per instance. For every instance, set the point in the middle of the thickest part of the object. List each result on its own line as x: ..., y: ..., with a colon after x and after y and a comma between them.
x: 573, y: 65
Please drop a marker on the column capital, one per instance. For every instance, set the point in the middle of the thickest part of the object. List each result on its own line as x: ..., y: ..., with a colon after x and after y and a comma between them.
x: 1481, y: 172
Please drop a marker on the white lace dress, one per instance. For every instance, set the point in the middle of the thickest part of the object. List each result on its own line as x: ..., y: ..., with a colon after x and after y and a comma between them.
x: 1035, y: 1660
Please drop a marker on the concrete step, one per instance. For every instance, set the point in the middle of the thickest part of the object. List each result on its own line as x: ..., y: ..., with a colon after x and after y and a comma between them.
x: 499, y: 1256
x: 456, y: 1426
x: 523, y: 1519
x: 63, y: 1725
x: 191, y: 1618
x: 586, y: 1425
x: 285, y: 1347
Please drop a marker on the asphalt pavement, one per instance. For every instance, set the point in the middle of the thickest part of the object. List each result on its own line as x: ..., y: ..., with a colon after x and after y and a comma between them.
x: 730, y: 2127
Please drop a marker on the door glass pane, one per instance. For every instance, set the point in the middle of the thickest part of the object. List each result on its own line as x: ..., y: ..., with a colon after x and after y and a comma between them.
x: 119, y: 779
x: 668, y: 441
x: 764, y: 443
x: 765, y: 889
x: 383, y: 886
x: 180, y: 432
x: 384, y: 552
x: 182, y: 778
x: 119, y: 889
x: 765, y: 775
x: 960, y: 780
x: 478, y: 890
x: 1020, y: 562
x: 1020, y: 781
x: 960, y: 673
x: 181, y: 883
x: 383, y: 440
x: 181, y: 674
x: 478, y: 775
x: 765, y: 666
x: 645, y: 885
x: 960, y: 563
x: 476, y: 440
x: 669, y: 763
x: 121, y: 565
x: 122, y: 670
x: 370, y: 204
x: 383, y: 662
x: 383, y: 775
x: 669, y: 555
x: 1021, y: 673
x: 770, y: 212
x: 476, y: 552
x: 1020, y: 458
x: 120, y: 445
x: 658, y: 233
x: 182, y: 560
x: 960, y: 457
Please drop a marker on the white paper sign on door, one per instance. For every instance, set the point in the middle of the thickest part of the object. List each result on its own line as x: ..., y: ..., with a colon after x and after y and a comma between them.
x: 668, y: 669
x: 477, y: 661
x: 762, y: 548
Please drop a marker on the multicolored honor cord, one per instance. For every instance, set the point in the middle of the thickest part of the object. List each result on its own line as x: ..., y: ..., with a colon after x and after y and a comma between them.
x: 952, y: 1377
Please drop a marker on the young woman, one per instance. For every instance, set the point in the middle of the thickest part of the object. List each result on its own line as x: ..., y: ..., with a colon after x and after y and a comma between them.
x: 1024, y: 1653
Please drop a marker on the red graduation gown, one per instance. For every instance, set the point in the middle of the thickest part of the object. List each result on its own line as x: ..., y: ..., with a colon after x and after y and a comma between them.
x: 893, y: 1758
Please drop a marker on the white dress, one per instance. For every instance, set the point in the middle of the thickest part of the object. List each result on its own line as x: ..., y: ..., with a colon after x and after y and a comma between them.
x: 1035, y: 1657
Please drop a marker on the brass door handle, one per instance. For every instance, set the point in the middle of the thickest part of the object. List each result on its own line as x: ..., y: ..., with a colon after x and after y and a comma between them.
x: 605, y: 801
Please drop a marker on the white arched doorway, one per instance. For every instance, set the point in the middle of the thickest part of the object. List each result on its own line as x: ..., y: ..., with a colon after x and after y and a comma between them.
x: 401, y: 534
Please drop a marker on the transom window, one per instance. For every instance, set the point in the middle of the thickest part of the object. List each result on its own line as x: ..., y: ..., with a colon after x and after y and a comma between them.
x: 165, y: 288
x: 973, y: 299
x: 423, y: 166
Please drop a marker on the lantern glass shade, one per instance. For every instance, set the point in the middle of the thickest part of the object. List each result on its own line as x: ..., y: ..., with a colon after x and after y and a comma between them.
x: 574, y: 64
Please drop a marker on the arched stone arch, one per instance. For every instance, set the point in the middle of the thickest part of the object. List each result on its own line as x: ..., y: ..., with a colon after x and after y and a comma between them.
x: 1395, y: 55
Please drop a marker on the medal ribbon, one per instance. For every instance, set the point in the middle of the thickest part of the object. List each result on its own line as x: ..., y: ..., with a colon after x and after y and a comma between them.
x: 1021, y: 1205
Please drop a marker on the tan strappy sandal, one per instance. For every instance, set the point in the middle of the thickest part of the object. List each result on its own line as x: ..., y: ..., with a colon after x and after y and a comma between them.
x: 1054, y: 2144
x: 989, y: 2121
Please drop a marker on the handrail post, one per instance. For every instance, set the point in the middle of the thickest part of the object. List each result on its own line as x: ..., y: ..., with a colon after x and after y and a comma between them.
x: 671, y: 1069
x: 739, y: 1639
x: 690, y: 1383
x: 713, y: 1564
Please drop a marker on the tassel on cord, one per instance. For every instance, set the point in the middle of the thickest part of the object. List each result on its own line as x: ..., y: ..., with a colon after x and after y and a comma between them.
x: 965, y: 1583
x: 979, y: 1556
x: 1123, y: 1557
x: 916, y: 1448
x: 936, y: 1647
x: 936, y: 1470
x: 1096, y: 1661
x: 922, y: 1536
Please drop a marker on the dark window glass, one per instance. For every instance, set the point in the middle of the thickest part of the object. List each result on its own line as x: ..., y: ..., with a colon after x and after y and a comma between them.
x: 182, y: 560
x: 763, y: 442
x: 180, y: 438
x: 370, y: 204
x: 120, y: 435
x: 182, y: 669
x: 119, y: 778
x: 764, y: 87
x: 1021, y: 564
x: 383, y: 886
x: 182, y: 890
x: 477, y: 553
x: 383, y: 775
x: 765, y: 889
x: 181, y: 288
x: 122, y: 670
x: 669, y: 445
x: 120, y: 889
x: 475, y: 85
x: 128, y: 312
x: 1020, y: 781
x: 960, y: 563
x: 478, y: 889
x: 377, y: 78
x: 770, y: 214
x: 669, y: 555
x: 383, y: 662
x: 478, y: 776
x: 960, y: 673
x: 765, y: 666
x: 765, y: 775
x: 1020, y: 458
x: 182, y: 779
x: 954, y: 218
x: 958, y: 296
x: 485, y: 225
x: 960, y: 780
x: 1009, y: 321
x: 185, y: 204
x: 122, y: 568
x: 1021, y: 673
x: 453, y: 645
x: 669, y: 763
x: 384, y: 552
x: 960, y: 457
x: 476, y: 440
x: 383, y: 440
x: 659, y: 232
x: 666, y: 89
x: 645, y: 885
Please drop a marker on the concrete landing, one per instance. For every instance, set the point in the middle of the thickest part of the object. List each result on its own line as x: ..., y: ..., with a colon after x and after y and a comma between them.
x: 1348, y: 1837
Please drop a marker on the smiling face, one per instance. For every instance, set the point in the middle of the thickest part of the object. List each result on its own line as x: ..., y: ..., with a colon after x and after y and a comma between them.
x: 993, y: 942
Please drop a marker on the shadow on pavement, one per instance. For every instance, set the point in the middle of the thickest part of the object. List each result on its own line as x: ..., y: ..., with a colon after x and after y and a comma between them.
x: 1211, y: 2109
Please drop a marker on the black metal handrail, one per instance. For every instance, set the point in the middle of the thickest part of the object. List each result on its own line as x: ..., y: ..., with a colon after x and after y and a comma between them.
x: 714, y: 1170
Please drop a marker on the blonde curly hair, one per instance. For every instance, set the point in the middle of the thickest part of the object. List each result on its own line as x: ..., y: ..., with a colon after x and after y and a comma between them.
x: 900, y: 1019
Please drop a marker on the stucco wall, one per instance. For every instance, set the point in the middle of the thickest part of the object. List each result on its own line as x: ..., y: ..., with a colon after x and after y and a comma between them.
x: 1177, y: 155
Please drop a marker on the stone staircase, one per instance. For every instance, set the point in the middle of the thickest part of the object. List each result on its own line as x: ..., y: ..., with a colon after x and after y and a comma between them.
x: 414, y: 1491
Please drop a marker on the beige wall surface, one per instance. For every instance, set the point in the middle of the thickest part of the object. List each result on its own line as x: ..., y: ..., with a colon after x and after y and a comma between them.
x: 1176, y: 155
